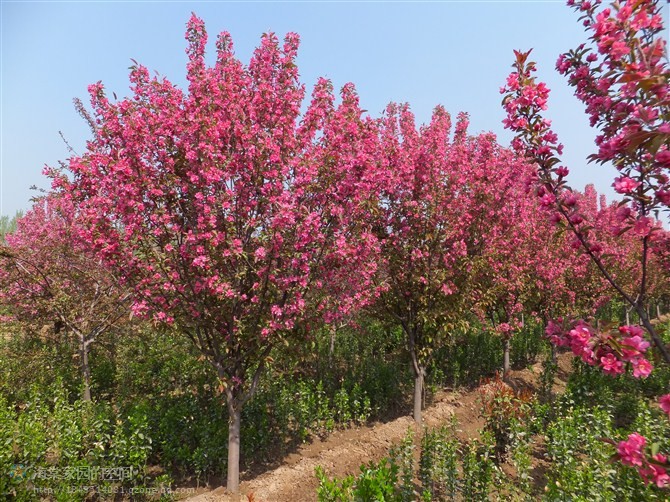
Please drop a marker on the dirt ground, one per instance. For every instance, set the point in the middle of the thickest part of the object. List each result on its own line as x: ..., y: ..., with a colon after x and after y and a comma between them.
x: 342, y: 452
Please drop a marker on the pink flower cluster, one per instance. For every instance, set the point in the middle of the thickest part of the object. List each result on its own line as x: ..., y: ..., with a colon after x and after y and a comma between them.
x: 610, y: 351
x: 623, y: 81
x: 653, y: 468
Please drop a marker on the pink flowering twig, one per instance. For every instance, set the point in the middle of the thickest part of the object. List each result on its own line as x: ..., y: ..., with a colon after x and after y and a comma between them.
x: 627, y: 95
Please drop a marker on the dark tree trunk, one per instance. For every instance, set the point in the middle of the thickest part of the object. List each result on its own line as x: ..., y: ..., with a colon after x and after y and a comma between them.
x: 418, y: 371
x: 658, y: 341
x: 331, y: 348
x: 85, y: 367
x: 418, y: 395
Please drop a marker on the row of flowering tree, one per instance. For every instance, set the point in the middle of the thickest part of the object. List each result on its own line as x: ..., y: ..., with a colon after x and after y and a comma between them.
x: 623, y: 78
x: 529, y: 270
x: 448, y: 210
x: 224, y: 211
x: 51, y: 283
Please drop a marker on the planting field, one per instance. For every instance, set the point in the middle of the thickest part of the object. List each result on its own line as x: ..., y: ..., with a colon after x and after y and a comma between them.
x: 343, y: 452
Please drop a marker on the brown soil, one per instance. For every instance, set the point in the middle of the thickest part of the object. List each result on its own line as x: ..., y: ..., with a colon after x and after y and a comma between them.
x: 342, y: 452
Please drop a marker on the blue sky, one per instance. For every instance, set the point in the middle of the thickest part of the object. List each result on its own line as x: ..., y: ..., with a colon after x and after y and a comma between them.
x: 426, y: 53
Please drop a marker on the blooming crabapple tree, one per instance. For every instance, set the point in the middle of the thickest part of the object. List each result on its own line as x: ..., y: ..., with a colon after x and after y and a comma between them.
x: 440, y: 200
x: 524, y: 270
x: 503, y: 273
x: 529, y: 269
x: 51, y: 277
x: 232, y: 216
x: 573, y: 284
x: 586, y: 288
x: 623, y: 79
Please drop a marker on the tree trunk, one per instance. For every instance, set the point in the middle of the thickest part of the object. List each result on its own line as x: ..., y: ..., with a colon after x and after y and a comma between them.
x: 506, y: 364
x: 331, y: 348
x: 658, y: 341
x: 85, y: 368
x: 234, y: 423
x: 236, y: 398
x: 418, y: 394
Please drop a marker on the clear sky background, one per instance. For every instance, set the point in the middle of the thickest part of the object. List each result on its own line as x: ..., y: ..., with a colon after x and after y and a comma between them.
x: 426, y: 53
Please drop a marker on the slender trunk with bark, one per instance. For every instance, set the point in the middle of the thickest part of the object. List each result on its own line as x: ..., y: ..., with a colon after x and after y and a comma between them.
x: 234, y: 426
x: 236, y: 399
x: 506, y: 363
x: 331, y: 348
x: 418, y: 394
x: 418, y: 371
x: 658, y: 341
x: 85, y: 368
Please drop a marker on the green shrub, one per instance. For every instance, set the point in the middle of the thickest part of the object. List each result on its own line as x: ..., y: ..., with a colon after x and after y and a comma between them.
x: 377, y: 482
x: 402, y: 456
x: 438, y: 471
x: 521, y: 457
x: 334, y: 490
x: 478, y: 467
x: 55, y: 447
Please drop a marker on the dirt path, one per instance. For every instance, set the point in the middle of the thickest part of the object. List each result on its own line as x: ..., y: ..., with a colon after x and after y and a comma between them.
x: 343, y: 452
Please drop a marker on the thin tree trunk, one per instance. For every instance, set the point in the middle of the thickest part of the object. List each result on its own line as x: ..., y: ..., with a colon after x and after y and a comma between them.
x: 85, y: 368
x: 419, y: 372
x: 658, y: 310
x: 506, y: 363
x: 235, y: 401
x: 331, y: 348
x: 658, y: 341
x: 627, y: 318
x: 418, y: 394
x: 234, y: 425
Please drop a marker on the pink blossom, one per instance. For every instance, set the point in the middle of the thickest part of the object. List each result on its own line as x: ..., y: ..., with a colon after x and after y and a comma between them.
x: 664, y: 402
x: 504, y: 328
x: 200, y: 261
x: 655, y: 473
x: 562, y: 171
x: 634, y: 339
x: 663, y: 196
x: 631, y: 450
x: 624, y: 184
x: 641, y: 368
x: 663, y: 158
x: 611, y: 364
